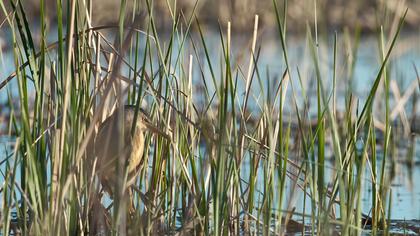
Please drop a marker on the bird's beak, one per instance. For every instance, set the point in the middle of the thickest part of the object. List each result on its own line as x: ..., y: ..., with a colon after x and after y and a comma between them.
x: 156, y: 130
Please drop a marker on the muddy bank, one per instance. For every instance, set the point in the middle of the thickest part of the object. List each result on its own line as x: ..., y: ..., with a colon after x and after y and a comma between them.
x: 332, y: 14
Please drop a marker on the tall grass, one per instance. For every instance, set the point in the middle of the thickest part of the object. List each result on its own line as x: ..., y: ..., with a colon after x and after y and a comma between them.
x: 227, y: 166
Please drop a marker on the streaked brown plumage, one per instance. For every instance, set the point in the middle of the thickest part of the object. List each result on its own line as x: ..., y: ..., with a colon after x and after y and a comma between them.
x: 106, y: 146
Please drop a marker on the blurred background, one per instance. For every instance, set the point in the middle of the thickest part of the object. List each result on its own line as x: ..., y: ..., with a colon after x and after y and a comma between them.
x: 332, y: 14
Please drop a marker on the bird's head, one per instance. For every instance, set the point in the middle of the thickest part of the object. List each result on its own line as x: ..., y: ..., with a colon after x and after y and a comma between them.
x: 142, y: 120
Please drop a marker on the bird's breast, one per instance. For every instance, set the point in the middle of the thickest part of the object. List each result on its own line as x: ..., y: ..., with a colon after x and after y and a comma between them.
x: 137, y: 147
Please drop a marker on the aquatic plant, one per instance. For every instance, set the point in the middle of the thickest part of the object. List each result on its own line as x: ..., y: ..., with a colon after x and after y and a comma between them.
x: 228, y: 168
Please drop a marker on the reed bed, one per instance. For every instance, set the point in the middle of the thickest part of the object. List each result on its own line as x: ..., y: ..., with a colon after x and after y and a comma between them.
x: 227, y: 168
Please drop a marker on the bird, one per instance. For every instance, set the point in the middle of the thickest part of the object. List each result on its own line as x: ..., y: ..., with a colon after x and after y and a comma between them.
x: 106, y: 152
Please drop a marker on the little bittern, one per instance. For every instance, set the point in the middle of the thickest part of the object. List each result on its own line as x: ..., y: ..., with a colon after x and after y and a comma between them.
x: 106, y: 145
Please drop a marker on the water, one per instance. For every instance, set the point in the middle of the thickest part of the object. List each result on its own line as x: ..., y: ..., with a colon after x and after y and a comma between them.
x: 405, y: 190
